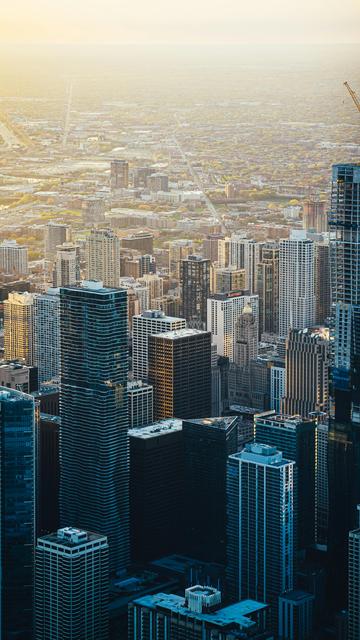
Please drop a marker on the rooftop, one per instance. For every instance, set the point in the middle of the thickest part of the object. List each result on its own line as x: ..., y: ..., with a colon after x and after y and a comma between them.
x: 181, y: 333
x: 70, y: 537
x: 157, y: 429
x: 217, y: 423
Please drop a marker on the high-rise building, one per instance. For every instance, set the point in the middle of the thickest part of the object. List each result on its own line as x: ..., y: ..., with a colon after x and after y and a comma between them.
x: 67, y: 265
x: 354, y: 584
x: 93, y: 209
x: 137, y: 297
x: 179, y: 365
x: 227, y: 279
x: 142, y: 241
x: 155, y: 285
x: 17, y: 522
x: 158, y: 182
x: 178, y: 250
x: 149, y: 322
x: 72, y: 586
x: 322, y: 485
x: 260, y: 530
x: 55, y: 234
x: 94, y: 490
x: 307, y: 372
x: 296, y: 615
x: 211, y: 246
x: 199, y: 616
x: 296, y: 283
x: 48, y: 469
x: 246, y: 337
x: 156, y: 490
x: 119, y: 174
x: 314, y: 215
x: 47, y: 334
x: 147, y: 264
x: 207, y: 445
x: 268, y: 289
x: 195, y: 284
x: 322, y: 281
x: 13, y: 258
x: 140, y: 403
x: 15, y: 375
x: 223, y: 313
x: 19, y: 327
x: 296, y: 438
x: 344, y: 432
x: 102, y: 256
x: 242, y: 253
x: 277, y: 386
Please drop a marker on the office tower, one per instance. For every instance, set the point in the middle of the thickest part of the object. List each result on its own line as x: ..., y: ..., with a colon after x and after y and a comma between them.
x: 322, y: 485
x: 296, y: 283
x: 260, y: 529
x: 142, y: 241
x: 199, y: 616
x: 48, y: 479
x: 207, y: 445
x: 277, y: 386
x: 47, y: 334
x: 140, y: 176
x: 296, y: 438
x: 15, y: 375
x: 156, y: 490
x: 93, y: 210
x: 13, y: 258
x: 180, y: 372
x: 158, y: 182
x: 72, y: 586
x: 119, y: 174
x: 140, y: 403
x: 195, y: 286
x: 322, y: 281
x: 307, y: 372
x: 151, y: 321
x: 178, y: 250
x: 249, y: 385
x: 67, y: 265
x: 102, y: 257
x: 296, y: 616
x: 344, y: 433
x: 155, y: 285
x: 227, y: 279
x: 242, y: 253
x: 19, y: 327
x: 17, y: 491
x: 137, y: 297
x: 55, y: 234
x: 211, y: 246
x: 94, y: 489
x: 223, y: 313
x: 354, y: 584
x: 246, y: 337
x: 147, y: 264
x: 268, y: 289
x: 314, y: 215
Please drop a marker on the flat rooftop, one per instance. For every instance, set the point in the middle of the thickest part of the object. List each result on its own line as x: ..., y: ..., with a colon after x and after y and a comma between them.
x: 157, y: 429
x: 217, y: 423
x: 181, y: 333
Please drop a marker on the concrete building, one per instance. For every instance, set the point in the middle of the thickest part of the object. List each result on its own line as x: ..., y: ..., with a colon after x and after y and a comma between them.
x: 322, y: 282
x: 223, y: 313
x: 55, y: 234
x: 140, y: 403
x: 19, y: 327
x: 67, y: 265
x: 268, y: 288
x: 102, y: 257
x: 227, y: 279
x: 314, y: 215
x: 72, y: 586
x: 13, y: 258
x: 246, y: 337
x: 119, y: 174
x: 277, y: 386
x: 296, y: 616
x: 195, y: 290
x: 47, y: 335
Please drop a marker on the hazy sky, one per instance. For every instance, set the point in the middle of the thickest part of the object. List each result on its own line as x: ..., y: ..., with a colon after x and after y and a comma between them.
x: 195, y: 21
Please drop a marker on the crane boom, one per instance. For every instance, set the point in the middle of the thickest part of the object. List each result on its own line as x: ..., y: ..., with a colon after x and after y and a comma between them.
x: 353, y: 96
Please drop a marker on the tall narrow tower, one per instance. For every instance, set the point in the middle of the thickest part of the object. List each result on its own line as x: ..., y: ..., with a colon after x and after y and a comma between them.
x: 103, y: 257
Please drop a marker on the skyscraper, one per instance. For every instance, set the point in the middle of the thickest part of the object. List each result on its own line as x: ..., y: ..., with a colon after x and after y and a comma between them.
x: 242, y: 253
x: 314, y: 215
x: 247, y: 337
x: 47, y: 334
x: 354, y: 583
x: 19, y: 327
x: 227, y: 279
x: 195, y: 285
x: 322, y: 281
x: 72, y: 586
x: 119, y: 170
x: 223, y: 313
x: 268, y: 289
x: 67, y: 265
x: 344, y: 433
x: 150, y: 321
x: 55, y: 234
x: 296, y: 439
x: 307, y: 372
x: 260, y: 530
x: 180, y: 372
x: 140, y: 403
x: 17, y: 523
x: 13, y: 258
x: 207, y: 445
x: 296, y: 283
x: 102, y: 256
x: 94, y: 492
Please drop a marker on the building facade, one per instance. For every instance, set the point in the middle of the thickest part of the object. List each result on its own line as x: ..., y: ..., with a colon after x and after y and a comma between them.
x: 140, y: 403
x: 47, y: 335
x: 223, y: 313
x: 19, y: 327
x: 102, y: 257
x: 13, y: 258
x: 195, y: 287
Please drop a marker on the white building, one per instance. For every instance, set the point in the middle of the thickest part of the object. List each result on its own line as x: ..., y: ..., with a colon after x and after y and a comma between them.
x: 140, y: 403
x: 277, y: 387
x: 13, y: 258
x: 55, y: 234
x: 102, y: 256
x: 223, y: 313
x: 296, y: 283
x: 47, y: 335
x: 242, y: 253
x: 147, y: 323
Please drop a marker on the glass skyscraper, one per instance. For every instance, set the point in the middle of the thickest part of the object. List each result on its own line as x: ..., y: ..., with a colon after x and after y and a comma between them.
x: 94, y: 457
x: 344, y: 431
x: 17, y: 495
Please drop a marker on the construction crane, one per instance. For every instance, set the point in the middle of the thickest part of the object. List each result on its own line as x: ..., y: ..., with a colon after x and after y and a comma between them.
x: 353, y: 96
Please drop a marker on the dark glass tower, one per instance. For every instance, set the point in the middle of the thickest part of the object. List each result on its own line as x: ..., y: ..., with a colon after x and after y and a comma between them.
x: 17, y: 492
x: 195, y: 283
x: 344, y: 430
x: 94, y: 489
